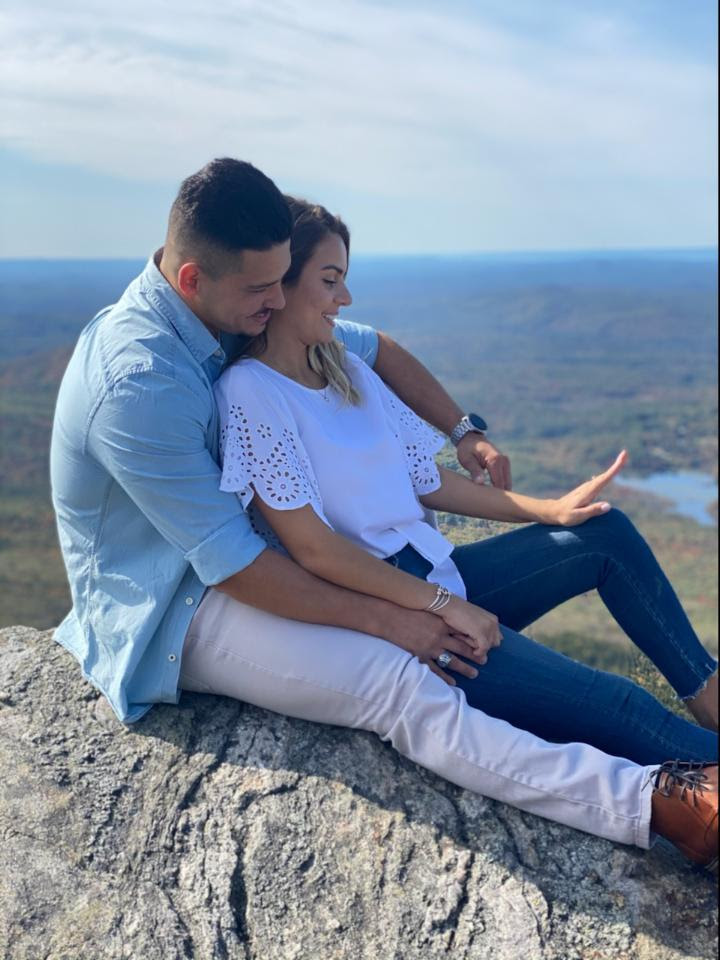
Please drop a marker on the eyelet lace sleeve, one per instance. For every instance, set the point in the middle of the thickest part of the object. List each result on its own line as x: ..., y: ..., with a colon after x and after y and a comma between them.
x: 261, y: 452
x: 419, y: 441
x: 420, y: 444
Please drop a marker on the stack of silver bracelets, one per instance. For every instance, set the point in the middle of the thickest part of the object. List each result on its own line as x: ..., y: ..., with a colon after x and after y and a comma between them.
x: 442, y: 599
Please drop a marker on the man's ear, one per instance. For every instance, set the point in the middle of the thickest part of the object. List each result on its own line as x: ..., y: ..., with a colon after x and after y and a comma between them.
x: 188, y: 280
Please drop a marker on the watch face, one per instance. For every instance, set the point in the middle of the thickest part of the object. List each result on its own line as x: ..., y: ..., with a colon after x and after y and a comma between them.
x: 477, y: 421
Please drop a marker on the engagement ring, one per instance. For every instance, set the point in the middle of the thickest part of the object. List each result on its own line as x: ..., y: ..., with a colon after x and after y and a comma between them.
x: 444, y: 659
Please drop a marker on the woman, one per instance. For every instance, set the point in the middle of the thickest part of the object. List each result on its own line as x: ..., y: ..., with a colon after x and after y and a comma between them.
x: 332, y: 465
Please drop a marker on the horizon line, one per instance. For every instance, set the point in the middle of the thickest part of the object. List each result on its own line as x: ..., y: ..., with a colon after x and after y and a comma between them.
x: 456, y: 255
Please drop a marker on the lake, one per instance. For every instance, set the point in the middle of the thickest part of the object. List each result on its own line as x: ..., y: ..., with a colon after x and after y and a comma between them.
x: 690, y: 493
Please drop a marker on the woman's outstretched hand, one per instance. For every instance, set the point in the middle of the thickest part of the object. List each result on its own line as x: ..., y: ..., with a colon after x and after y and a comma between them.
x: 579, y: 505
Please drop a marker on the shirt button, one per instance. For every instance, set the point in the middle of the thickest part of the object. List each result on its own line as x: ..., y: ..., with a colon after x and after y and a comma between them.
x: 189, y: 601
x: 172, y: 658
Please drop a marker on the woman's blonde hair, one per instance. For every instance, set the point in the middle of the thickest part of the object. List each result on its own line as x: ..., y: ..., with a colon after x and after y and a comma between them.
x: 311, y: 224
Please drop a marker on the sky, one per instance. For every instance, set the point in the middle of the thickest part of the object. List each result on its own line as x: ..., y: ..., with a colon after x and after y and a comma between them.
x: 456, y: 127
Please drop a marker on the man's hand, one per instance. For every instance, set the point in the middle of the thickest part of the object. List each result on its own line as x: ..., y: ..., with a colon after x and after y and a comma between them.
x: 426, y: 636
x: 479, y: 627
x: 417, y: 387
x: 477, y: 455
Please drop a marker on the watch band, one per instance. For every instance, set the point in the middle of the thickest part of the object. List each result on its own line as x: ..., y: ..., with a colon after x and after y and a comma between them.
x: 470, y: 423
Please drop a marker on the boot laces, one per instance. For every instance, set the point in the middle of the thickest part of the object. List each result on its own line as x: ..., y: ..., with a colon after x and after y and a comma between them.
x: 686, y: 774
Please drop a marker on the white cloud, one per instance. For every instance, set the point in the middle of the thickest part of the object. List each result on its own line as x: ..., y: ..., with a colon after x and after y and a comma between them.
x: 382, y: 100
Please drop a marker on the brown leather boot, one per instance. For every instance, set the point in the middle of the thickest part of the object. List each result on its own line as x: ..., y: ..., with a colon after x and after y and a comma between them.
x: 685, y: 809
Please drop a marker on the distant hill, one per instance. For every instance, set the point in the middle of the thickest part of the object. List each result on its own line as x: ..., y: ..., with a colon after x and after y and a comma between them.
x: 45, y: 303
x: 569, y: 357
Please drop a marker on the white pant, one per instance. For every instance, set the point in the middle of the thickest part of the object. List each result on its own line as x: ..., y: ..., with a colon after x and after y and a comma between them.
x: 338, y: 676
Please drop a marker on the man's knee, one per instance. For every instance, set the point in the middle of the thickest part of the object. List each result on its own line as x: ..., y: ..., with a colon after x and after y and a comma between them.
x: 392, y: 690
x: 419, y: 706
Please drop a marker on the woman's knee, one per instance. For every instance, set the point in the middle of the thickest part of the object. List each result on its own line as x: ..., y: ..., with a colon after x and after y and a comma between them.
x: 619, y: 521
x: 609, y: 533
x: 615, y: 522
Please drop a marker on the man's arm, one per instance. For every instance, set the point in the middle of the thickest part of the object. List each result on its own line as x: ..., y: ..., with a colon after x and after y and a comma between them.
x: 327, y: 554
x: 277, y: 584
x: 149, y: 434
x: 419, y: 389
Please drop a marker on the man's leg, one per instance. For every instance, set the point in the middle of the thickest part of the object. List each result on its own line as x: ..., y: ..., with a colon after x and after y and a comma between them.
x: 337, y: 676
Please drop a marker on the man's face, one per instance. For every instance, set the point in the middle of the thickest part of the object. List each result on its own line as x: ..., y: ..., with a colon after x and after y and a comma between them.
x: 241, y: 301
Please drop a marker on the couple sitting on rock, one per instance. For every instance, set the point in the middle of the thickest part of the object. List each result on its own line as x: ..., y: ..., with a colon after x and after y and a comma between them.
x: 243, y: 482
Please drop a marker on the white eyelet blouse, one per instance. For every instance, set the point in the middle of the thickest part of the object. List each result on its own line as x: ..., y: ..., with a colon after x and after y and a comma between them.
x: 361, y: 468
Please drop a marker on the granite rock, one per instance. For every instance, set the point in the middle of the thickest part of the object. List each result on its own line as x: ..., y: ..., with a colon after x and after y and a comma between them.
x: 215, y: 830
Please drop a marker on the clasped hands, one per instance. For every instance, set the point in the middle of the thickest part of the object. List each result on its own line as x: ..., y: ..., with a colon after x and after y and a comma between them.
x: 460, y: 629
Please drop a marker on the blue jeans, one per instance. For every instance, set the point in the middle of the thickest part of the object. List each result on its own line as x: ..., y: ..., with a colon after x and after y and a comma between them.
x: 520, y: 576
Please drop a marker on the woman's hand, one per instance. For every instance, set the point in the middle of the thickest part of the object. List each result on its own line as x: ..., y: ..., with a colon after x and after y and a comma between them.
x: 578, y: 506
x: 427, y: 637
x: 479, y: 627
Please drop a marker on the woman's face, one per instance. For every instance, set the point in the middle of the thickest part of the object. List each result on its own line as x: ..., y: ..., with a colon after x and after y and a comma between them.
x: 314, y: 301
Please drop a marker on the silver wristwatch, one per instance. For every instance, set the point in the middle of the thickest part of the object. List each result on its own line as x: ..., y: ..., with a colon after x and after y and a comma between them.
x: 470, y: 423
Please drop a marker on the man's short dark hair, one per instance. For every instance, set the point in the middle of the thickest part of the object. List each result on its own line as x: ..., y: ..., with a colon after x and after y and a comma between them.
x: 225, y: 208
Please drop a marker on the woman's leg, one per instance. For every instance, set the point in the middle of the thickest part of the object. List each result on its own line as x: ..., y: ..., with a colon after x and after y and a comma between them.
x: 521, y: 575
x: 534, y: 688
x: 341, y: 677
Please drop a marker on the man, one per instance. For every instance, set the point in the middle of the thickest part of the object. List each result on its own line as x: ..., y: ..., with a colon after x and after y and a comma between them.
x: 142, y: 523
x: 145, y: 531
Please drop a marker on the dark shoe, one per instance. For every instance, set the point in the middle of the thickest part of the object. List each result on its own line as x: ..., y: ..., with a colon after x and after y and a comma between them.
x: 685, y: 809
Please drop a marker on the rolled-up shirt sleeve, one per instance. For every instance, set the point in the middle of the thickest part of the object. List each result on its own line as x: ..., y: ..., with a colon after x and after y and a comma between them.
x: 150, y: 434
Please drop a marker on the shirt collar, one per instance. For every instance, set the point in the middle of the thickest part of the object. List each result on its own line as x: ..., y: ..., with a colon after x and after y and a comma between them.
x: 191, y: 330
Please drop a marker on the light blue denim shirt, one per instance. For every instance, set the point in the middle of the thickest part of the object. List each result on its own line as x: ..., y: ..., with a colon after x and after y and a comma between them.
x: 142, y: 523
